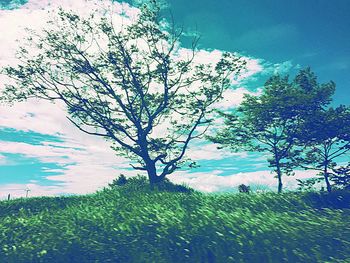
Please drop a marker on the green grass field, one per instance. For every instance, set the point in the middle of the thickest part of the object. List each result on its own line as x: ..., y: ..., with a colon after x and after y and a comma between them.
x: 131, y: 224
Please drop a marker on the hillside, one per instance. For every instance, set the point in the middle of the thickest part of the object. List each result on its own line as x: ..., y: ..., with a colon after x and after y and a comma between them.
x: 132, y: 225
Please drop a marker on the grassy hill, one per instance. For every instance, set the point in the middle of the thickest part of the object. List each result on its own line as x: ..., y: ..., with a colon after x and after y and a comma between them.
x: 130, y: 224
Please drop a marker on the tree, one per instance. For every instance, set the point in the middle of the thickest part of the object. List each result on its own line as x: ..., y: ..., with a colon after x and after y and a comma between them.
x: 131, y: 84
x: 270, y: 122
x: 341, y: 177
x: 242, y: 188
x: 325, y: 136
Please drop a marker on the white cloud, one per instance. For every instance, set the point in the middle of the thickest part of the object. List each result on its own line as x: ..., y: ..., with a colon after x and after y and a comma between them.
x: 233, y: 97
x: 253, y: 67
x: 54, y: 152
x: 207, y: 182
x: 18, y: 190
x: 210, y: 152
x: 35, y: 115
x: 84, y: 170
x: 214, y: 182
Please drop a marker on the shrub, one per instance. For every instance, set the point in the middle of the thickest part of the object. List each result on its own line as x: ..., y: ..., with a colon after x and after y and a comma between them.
x: 242, y: 188
x: 120, y: 181
x: 167, y: 185
x: 141, y: 183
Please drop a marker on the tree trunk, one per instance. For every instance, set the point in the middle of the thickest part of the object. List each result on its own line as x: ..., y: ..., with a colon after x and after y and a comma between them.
x: 152, y: 174
x: 326, y: 177
x: 279, y: 176
x: 278, y: 170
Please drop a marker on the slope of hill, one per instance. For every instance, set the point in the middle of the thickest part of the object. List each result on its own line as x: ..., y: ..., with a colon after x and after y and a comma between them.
x: 131, y: 224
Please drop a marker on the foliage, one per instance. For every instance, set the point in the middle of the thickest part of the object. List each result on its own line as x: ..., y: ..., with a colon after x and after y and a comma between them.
x: 308, y: 184
x: 324, y: 136
x: 140, y: 183
x: 114, y: 225
x: 242, y: 188
x: 341, y: 177
x: 120, y: 181
x: 129, y: 83
x: 270, y: 122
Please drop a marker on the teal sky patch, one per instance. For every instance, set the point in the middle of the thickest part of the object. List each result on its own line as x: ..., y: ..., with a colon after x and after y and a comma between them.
x: 34, y: 138
x: 11, y: 4
x: 19, y: 169
x: 230, y: 166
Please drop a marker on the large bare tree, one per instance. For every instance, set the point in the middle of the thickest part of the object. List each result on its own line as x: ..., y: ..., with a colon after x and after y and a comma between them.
x: 130, y: 83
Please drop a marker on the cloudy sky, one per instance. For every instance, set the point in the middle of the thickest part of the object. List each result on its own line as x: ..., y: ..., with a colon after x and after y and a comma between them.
x: 41, y: 151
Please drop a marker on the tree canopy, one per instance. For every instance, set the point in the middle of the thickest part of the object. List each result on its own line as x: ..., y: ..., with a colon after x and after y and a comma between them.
x: 271, y: 121
x: 130, y: 83
x: 324, y: 137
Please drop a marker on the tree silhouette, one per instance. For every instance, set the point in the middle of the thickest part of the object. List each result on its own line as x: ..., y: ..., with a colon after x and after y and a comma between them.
x: 324, y: 136
x: 271, y: 122
x: 131, y: 84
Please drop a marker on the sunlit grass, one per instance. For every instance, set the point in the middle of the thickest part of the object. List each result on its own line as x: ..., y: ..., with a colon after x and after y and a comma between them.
x: 129, y: 224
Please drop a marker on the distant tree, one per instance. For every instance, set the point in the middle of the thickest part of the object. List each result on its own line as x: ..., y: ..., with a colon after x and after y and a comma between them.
x: 130, y: 84
x: 325, y: 136
x: 341, y: 177
x: 242, y: 188
x: 338, y: 177
x: 270, y: 122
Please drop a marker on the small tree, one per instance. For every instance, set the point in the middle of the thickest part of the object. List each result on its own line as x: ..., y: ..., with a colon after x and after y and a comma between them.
x: 242, y: 188
x: 325, y: 136
x: 131, y: 84
x: 341, y: 177
x: 271, y: 121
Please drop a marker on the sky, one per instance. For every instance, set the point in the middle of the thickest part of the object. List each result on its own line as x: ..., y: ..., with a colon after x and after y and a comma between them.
x: 41, y: 151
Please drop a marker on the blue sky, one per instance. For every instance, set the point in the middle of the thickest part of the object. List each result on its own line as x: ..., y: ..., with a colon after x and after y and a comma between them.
x: 309, y: 33
x: 40, y: 150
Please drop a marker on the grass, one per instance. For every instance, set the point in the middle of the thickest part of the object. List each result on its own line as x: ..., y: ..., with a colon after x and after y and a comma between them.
x: 138, y: 224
